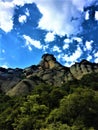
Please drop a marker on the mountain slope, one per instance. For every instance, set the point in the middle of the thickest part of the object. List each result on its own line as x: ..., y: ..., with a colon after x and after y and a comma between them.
x: 49, y: 71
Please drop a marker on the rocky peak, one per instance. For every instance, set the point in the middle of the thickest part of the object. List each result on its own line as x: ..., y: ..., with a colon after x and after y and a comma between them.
x: 48, y: 62
x: 82, y: 68
x: 85, y: 62
x: 48, y: 57
x: 48, y: 71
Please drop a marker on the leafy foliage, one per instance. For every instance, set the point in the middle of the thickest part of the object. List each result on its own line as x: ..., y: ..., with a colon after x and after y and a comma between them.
x: 74, y: 106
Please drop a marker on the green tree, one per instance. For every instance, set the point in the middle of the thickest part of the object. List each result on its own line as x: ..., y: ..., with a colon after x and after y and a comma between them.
x: 78, y: 108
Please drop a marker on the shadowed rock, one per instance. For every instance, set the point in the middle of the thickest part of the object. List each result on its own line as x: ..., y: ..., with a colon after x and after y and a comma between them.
x: 48, y: 71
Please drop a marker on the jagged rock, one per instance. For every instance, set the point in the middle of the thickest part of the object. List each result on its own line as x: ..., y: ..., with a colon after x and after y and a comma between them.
x: 9, y: 78
x: 48, y: 62
x: 23, y: 87
x: 83, y: 68
x: 48, y: 71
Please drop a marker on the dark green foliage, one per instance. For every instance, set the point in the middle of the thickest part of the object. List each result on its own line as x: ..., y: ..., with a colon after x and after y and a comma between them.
x: 90, y: 80
x: 74, y: 106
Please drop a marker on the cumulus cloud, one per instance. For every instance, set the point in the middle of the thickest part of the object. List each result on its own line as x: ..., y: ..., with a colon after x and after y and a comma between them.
x: 88, y: 45
x: 22, y: 18
x: 96, y: 60
x: 27, y: 12
x: 89, y: 57
x: 56, y: 48
x: 31, y: 42
x: 96, y: 15
x: 59, y: 17
x: 87, y: 15
x: 78, y: 39
x: 49, y: 37
x: 74, y: 56
x: 96, y: 54
x: 68, y: 40
x: 65, y: 46
x: 62, y: 16
x: 96, y: 57
x: 6, y: 14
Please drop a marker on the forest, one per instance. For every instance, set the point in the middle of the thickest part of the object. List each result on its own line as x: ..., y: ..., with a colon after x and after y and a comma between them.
x: 73, y: 106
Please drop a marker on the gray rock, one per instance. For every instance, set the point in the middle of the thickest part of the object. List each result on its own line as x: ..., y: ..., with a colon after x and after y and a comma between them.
x: 48, y: 71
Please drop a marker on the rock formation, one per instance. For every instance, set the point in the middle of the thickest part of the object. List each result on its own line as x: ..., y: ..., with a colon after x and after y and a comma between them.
x: 49, y: 71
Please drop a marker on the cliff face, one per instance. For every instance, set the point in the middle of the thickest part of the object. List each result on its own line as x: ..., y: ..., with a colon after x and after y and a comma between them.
x: 48, y: 71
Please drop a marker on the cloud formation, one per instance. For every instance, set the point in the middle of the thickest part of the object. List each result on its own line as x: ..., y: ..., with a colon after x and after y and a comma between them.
x: 59, y: 17
x: 6, y: 14
x: 49, y: 37
x: 96, y: 54
x: 5, y: 66
x: 31, y: 42
x: 89, y: 57
x: 56, y: 49
x: 88, y: 45
x: 62, y: 16
x: 22, y: 18
x: 73, y: 58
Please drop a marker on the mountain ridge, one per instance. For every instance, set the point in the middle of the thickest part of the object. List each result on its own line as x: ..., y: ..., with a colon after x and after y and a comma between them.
x: 48, y: 71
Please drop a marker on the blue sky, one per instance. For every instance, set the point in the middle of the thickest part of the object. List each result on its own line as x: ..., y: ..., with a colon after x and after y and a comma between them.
x: 66, y: 28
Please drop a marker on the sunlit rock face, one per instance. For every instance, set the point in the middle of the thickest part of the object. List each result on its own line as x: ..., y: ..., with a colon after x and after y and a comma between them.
x: 48, y: 62
x: 82, y: 68
x: 48, y: 71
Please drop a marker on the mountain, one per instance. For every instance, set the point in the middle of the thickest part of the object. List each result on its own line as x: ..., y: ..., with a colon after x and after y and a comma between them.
x: 48, y: 71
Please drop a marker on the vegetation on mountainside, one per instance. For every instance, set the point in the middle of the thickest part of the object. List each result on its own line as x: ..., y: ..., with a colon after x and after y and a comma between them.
x: 74, y: 106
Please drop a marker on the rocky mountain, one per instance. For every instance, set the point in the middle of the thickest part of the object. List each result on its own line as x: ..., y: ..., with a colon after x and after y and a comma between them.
x: 49, y: 71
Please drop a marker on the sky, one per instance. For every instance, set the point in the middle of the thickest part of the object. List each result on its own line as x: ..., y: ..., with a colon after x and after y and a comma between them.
x: 68, y: 29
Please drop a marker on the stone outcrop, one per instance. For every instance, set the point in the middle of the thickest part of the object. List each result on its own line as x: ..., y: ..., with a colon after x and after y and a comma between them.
x: 78, y: 70
x: 9, y: 78
x: 48, y: 71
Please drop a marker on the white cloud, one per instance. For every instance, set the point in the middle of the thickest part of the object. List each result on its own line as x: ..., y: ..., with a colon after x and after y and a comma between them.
x: 4, y: 66
x: 30, y: 48
x: 68, y: 40
x: 65, y: 46
x: 59, y: 56
x: 74, y: 56
x: 96, y: 54
x: 22, y: 2
x: 96, y: 15
x: 56, y: 14
x: 27, y: 12
x: 22, y: 19
x: 88, y: 45
x: 89, y: 57
x: 56, y: 48
x: 45, y: 47
x: 96, y: 60
x: 49, y: 37
x: 79, y: 4
x: 87, y: 15
x: 61, y: 17
x: 31, y: 42
x: 6, y: 13
x: 78, y: 39
x: 68, y: 64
